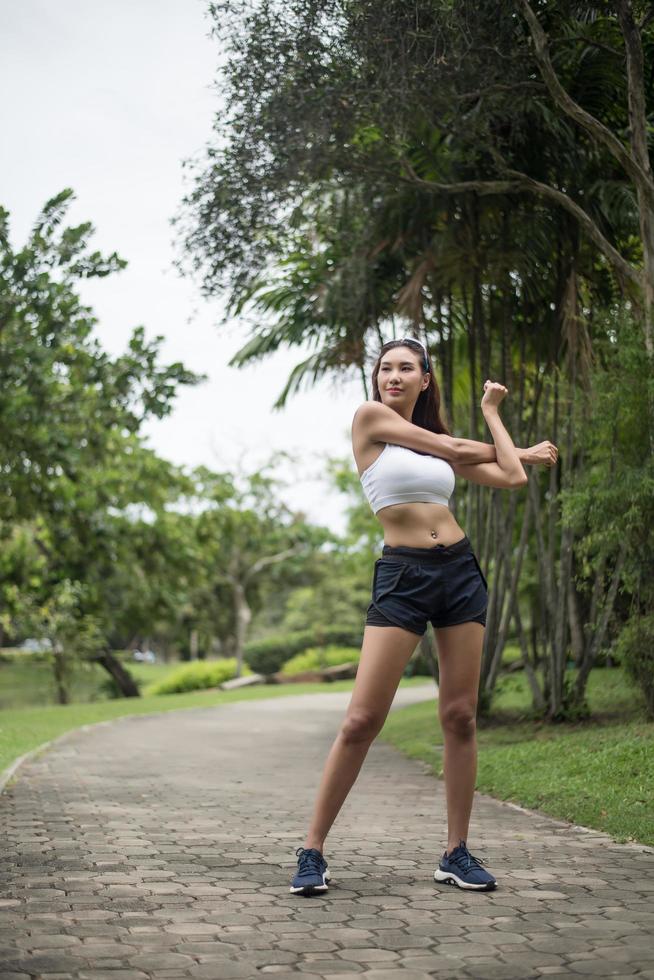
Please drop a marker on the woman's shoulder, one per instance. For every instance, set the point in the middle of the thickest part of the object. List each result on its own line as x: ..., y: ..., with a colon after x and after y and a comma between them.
x: 370, y: 410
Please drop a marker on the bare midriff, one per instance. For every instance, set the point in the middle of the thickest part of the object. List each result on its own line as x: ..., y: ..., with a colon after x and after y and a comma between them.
x: 419, y: 525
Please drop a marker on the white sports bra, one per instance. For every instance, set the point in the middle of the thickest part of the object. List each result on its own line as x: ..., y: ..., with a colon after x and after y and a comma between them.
x: 400, y: 475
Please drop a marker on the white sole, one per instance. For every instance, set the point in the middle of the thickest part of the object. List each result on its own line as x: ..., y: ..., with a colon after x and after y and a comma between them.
x: 312, y: 888
x: 451, y: 879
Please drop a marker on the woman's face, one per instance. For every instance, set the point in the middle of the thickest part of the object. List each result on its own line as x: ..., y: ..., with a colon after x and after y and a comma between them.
x: 401, y: 379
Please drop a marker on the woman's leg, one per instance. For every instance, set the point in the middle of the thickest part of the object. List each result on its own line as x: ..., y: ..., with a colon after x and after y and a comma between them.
x: 459, y: 659
x: 385, y: 652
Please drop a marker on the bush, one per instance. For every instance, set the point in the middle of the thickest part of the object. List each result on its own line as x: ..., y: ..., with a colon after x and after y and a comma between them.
x: 316, y: 658
x: 634, y: 649
x: 197, y: 675
x: 267, y: 656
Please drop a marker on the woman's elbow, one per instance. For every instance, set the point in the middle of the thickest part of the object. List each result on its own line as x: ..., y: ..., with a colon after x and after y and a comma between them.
x: 521, y: 480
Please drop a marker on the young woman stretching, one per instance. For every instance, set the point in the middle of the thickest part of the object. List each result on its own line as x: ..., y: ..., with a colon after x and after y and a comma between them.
x: 407, y: 461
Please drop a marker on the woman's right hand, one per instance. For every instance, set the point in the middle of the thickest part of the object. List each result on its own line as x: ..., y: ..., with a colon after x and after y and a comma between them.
x: 544, y: 453
x: 494, y: 392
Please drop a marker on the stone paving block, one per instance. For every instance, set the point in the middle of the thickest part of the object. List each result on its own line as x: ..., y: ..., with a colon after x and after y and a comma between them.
x: 395, y: 975
x: 429, y: 962
x: 112, y: 975
x: 334, y: 967
x: 42, y: 964
x: 225, y: 970
x: 151, y: 962
x: 368, y: 954
x: 601, y: 968
x: 501, y: 971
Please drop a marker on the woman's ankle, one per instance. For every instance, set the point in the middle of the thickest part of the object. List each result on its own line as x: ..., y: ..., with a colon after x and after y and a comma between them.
x: 318, y: 845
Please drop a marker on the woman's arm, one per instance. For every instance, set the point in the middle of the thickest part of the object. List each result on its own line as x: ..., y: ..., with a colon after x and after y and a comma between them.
x: 507, y: 457
x: 544, y: 453
x: 507, y: 472
x: 376, y: 422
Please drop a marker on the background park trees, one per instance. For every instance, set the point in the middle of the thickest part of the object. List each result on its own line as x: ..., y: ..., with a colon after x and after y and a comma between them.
x: 482, y: 173
x: 104, y: 544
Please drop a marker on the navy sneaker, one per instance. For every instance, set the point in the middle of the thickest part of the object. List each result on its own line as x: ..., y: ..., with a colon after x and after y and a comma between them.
x: 462, y: 869
x: 312, y: 875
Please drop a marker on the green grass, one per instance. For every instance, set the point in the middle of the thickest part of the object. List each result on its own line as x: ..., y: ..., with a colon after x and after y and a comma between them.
x: 29, y: 683
x: 598, y: 773
x: 23, y: 729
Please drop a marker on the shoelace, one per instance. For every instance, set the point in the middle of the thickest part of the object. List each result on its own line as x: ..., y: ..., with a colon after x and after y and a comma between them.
x: 464, y: 859
x: 310, y: 860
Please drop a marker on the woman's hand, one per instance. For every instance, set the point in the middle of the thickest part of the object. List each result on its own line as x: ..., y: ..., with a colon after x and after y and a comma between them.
x: 494, y: 392
x: 543, y: 453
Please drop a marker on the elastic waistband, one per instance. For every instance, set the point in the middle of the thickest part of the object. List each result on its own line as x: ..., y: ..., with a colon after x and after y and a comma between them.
x: 437, y: 553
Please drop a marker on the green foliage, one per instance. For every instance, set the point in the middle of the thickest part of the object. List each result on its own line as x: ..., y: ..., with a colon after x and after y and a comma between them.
x: 267, y: 656
x: 196, y: 676
x: 73, y: 635
x: 612, y: 500
x: 76, y: 477
x: 635, y: 649
x: 337, y: 596
x: 317, y: 658
x: 8, y: 655
x: 66, y: 406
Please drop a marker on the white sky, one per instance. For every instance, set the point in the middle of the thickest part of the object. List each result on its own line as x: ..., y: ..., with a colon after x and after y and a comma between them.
x: 109, y: 98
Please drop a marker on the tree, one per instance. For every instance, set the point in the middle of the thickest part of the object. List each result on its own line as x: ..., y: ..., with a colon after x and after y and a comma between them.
x: 250, y: 543
x: 70, y: 416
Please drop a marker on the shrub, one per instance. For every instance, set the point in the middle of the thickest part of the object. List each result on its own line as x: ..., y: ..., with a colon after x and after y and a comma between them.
x: 634, y: 648
x: 268, y: 655
x: 197, y: 675
x: 316, y: 658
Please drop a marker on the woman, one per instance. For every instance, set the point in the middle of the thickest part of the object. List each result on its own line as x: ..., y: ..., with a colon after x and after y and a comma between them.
x: 407, y: 462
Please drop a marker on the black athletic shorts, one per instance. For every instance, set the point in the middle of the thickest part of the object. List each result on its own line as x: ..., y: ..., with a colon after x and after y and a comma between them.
x: 443, y: 585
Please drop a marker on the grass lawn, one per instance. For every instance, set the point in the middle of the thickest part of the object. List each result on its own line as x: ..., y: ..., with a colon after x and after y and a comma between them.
x: 599, y: 774
x: 29, y: 683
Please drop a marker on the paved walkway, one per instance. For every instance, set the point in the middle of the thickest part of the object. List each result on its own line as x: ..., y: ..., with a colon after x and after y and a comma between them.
x: 162, y: 847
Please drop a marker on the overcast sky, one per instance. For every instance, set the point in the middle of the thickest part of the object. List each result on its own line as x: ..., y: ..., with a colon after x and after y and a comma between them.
x: 109, y: 99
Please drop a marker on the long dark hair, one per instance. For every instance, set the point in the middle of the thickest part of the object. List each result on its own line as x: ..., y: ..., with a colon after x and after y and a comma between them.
x: 427, y: 410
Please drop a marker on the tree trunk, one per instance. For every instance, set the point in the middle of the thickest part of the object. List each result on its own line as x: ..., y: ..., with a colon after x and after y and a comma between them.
x: 60, y: 679
x: 512, y: 579
x: 126, y: 683
x: 243, y: 615
x: 576, y: 630
x: 597, y: 637
x: 536, y: 694
x: 427, y: 649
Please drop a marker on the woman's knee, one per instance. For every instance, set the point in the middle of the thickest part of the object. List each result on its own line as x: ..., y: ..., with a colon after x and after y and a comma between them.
x: 459, y: 717
x: 361, y: 725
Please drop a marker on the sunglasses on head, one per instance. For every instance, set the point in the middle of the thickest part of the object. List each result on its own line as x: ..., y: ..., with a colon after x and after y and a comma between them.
x: 410, y: 342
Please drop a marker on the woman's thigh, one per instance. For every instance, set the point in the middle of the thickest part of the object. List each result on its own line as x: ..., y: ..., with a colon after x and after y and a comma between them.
x: 385, y: 652
x: 459, y: 662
